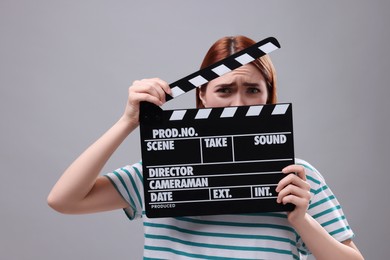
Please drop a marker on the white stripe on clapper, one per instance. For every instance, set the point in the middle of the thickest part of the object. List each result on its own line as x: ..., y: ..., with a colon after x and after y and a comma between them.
x: 280, y: 109
x: 203, y: 113
x: 228, y: 111
x: 176, y: 91
x: 268, y: 47
x: 177, y: 115
x: 244, y: 59
x: 254, y: 111
x: 221, y: 70
x: 198, y: 81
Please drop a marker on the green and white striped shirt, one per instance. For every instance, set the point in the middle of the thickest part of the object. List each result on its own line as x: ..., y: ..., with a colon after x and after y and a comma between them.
x: 240, y: 236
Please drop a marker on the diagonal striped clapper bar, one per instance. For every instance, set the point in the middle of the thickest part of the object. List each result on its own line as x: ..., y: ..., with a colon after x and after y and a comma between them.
x: 224, y: 66
x: 203, y: 76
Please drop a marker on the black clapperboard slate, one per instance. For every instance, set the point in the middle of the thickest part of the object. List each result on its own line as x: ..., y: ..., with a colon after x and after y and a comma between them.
x: 214, y: 161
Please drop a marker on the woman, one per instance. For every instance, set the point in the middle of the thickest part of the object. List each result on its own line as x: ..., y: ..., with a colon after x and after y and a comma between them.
x: 317, y: 225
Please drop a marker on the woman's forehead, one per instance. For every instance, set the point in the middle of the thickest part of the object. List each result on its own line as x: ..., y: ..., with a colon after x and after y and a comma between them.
x: 248, y: 72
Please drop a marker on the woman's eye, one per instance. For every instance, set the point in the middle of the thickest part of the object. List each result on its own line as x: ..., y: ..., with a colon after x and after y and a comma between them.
x: 224, y: 90
x: 253, y: 90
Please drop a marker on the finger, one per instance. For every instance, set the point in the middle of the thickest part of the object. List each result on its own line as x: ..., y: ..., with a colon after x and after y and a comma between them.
x: 292, y: 190
x: 297, y: 201
x: 153, y: 87
x: 146, y: 97
x: 298, y: 169
x: 149, y: 86
x: 164, y: 85
x: 156, y: 85
x: 294, y: 180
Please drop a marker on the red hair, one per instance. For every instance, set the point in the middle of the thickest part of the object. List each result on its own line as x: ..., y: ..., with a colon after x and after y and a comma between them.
x: 229, y: 45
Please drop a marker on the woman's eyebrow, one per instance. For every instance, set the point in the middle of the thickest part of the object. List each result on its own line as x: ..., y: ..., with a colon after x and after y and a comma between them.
x: 246, y: 84
x: 251, y: 84
x: 223, y: 85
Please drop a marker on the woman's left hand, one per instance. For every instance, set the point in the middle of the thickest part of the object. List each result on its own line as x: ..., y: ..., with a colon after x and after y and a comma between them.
x: 296, y: 190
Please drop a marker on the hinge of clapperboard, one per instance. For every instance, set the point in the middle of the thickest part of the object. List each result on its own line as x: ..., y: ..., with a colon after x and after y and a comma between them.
x: 150, y: 113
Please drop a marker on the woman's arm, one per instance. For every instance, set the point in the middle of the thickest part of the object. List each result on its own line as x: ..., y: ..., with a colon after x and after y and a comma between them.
x: 80, y: 190
x: 296, y: 190
x: 321, y: 244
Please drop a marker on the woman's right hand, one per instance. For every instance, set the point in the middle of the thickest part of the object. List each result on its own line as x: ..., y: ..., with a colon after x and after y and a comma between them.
x: 151, y: 90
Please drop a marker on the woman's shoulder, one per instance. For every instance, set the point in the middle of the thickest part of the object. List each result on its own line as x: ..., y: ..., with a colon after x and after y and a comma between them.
x: 311, y: 172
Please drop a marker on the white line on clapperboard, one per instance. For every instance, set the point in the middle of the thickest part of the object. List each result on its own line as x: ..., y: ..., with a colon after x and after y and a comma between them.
x: 211, y: 188
x: 229, y: 199
x: 210, y: 163
x: 201, y: 152
x: 213, y: 175
x: 217, y: 187
x: 214, y: 136
x: 233, y: 154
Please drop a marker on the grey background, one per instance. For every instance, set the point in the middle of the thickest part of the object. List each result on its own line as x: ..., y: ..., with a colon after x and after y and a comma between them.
x: 65, y: 67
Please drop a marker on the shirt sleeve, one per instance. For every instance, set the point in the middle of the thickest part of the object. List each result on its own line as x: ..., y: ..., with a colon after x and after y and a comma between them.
x: 128, y: 181
x: 324, y: 207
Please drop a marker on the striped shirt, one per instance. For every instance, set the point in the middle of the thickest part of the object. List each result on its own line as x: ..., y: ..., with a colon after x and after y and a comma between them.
x: 239, y: 236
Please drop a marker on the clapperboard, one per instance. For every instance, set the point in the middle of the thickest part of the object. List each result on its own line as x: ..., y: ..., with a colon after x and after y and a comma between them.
x: 214, y: 161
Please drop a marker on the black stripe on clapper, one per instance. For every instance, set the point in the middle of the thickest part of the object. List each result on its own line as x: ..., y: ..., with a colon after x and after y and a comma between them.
x: 150, y: 113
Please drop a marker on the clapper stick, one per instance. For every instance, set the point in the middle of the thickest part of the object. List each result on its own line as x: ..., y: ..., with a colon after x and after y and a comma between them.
x: 150, y: 112
x: 222, y: 67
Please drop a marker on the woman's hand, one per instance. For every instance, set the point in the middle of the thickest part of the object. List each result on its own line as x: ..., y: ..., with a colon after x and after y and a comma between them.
x: 296, y: 190
x: 150, y: 90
